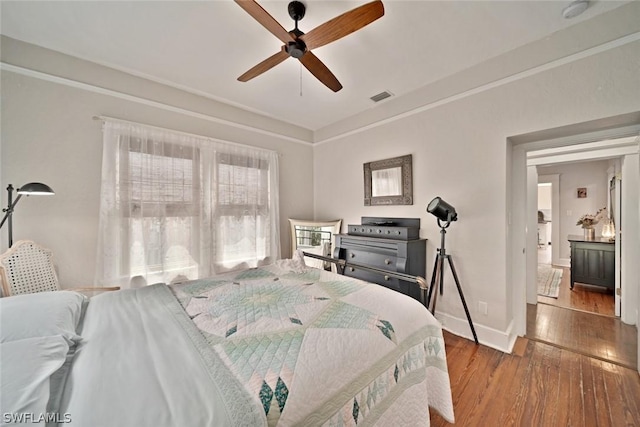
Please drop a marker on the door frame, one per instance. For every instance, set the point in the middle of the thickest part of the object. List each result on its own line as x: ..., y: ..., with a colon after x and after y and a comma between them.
x: 521, y: 267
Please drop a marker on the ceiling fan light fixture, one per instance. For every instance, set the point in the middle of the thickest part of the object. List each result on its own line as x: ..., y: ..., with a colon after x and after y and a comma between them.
x: 296, y: 48
x: 575, y: 9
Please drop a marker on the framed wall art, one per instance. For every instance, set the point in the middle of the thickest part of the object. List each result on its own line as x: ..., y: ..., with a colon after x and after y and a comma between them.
x: 582, y: 193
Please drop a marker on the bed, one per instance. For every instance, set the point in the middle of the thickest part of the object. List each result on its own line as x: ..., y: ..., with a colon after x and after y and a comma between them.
x: 283, y: 344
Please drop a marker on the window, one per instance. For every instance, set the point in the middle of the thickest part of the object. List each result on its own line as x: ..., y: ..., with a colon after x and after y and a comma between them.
x: 159, y: 194
x: 178, y: 206
x: 163, y: 180
x: 242, y: 208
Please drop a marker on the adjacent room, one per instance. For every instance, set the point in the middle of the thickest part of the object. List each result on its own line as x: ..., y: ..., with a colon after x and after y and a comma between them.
x: 576, y: 278
x: 320, y: 213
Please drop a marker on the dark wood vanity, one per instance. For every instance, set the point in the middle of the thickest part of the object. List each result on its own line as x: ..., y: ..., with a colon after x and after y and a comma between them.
x: 593, y: 262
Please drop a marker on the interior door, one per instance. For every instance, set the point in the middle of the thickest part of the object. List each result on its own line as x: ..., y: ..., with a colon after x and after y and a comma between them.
x: 532, y: 235
x: 615, y: 206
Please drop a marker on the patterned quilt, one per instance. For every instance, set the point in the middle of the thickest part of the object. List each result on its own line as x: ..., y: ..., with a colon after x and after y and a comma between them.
x: 316, y: 348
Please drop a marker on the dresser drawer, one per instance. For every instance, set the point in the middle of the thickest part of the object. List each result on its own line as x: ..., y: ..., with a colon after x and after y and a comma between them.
x: 400, y: 256
x: 369, y: 276
x: 407, y: 288
x: 400, y: 233
x: 374, y: 259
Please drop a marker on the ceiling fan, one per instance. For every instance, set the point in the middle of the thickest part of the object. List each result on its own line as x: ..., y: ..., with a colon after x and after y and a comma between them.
x: 299, y: 45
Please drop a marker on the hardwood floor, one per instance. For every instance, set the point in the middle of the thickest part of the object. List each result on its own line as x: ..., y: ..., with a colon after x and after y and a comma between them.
x: 575, y: 368
x: 537, y: 385
x: 603, y: 337
x: 593, y: 299
x: 599, y: 335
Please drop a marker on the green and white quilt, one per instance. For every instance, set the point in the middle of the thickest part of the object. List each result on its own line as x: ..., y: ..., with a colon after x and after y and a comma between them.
x: 315, y: 348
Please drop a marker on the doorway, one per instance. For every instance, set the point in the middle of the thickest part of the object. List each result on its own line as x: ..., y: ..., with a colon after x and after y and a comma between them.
x: 523, y: 218
x: 559, y: 207
x: 579, y: 318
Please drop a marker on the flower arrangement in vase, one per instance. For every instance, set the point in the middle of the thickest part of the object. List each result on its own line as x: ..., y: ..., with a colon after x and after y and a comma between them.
x: 587, y: 222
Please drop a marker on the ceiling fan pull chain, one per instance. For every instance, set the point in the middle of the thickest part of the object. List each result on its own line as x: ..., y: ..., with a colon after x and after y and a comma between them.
x: 301, y: 80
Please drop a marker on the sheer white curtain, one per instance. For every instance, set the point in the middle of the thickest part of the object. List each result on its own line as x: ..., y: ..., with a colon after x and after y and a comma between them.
x: 176, y: 206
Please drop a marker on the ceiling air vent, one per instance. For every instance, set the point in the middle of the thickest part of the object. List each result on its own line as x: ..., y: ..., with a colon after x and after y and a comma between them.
x: 382, y: 95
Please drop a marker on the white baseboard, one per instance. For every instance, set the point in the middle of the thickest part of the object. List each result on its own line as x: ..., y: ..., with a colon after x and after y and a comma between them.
x: 564, y: 262
x: 499, y: 340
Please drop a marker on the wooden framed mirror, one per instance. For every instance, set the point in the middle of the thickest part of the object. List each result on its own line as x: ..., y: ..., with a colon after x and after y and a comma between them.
x: 389, y: 182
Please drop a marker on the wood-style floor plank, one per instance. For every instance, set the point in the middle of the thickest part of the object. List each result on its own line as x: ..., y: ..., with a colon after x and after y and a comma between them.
x: 593, y: 299
x: 573, y: 369
x: 537, y: 385
x: 630, y: 387
x: 603, y: 417
x: 588, y: 391
x: 496, y: 375
x: 546, y: 413
x: 492, y: 411
x: 602, y: 337
x: 512, y: 408
x: 613, y: 386
x: 576, y: 401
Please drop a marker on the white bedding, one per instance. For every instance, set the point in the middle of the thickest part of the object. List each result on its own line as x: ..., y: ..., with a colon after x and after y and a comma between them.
x: 279, y: 345
x: 141, y: 363
x: 343, y: 351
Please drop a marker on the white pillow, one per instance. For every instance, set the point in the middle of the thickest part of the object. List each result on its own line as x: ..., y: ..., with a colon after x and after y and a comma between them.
x: 41, y: 314
x: 26, y: 367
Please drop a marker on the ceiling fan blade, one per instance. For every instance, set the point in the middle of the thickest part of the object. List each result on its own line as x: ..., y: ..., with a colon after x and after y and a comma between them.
x: 343, y: 25
x: 322, y: 73
x: 267, y: 21
x: 265, y: 65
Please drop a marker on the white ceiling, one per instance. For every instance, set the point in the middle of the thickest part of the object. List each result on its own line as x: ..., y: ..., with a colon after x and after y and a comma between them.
x: 204, y: 46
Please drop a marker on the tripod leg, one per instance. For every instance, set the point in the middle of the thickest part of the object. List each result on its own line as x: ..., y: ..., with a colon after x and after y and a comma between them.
x: 437, y: 278
x: 435, y: 294
x: 441, y: 272
x: 432, y: 285
x: 464, y: 303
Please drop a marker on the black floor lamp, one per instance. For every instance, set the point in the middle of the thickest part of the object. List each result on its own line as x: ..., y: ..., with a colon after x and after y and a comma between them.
x: 447, y: 213
x: 31, y: 189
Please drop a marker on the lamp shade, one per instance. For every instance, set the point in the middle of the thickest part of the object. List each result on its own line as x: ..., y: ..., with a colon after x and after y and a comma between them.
x: 35, y: 189
x: 30, y: 189
x: 442, y: 210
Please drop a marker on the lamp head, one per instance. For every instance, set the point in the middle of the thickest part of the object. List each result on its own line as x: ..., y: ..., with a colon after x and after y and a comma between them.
x: 442, y: 210
x: 35, y: 189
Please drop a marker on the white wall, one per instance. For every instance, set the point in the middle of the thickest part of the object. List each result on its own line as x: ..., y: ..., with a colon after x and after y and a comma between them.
x: 591, y: 175
x: 544, y: 197
x: 460, y: 153
x: 48, y: 135
x: 630, y: 238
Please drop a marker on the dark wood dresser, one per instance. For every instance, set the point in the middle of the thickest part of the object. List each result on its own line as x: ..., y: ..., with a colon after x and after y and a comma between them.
x: 402, y: 256
x: 593, y: 262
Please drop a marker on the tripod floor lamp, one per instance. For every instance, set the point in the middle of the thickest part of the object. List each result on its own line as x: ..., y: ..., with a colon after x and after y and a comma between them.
x: 445, y: 214
x: 31, y: 189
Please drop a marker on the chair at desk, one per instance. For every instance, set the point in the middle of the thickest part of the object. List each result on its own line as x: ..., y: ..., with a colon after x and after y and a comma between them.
x: 28, y: 268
